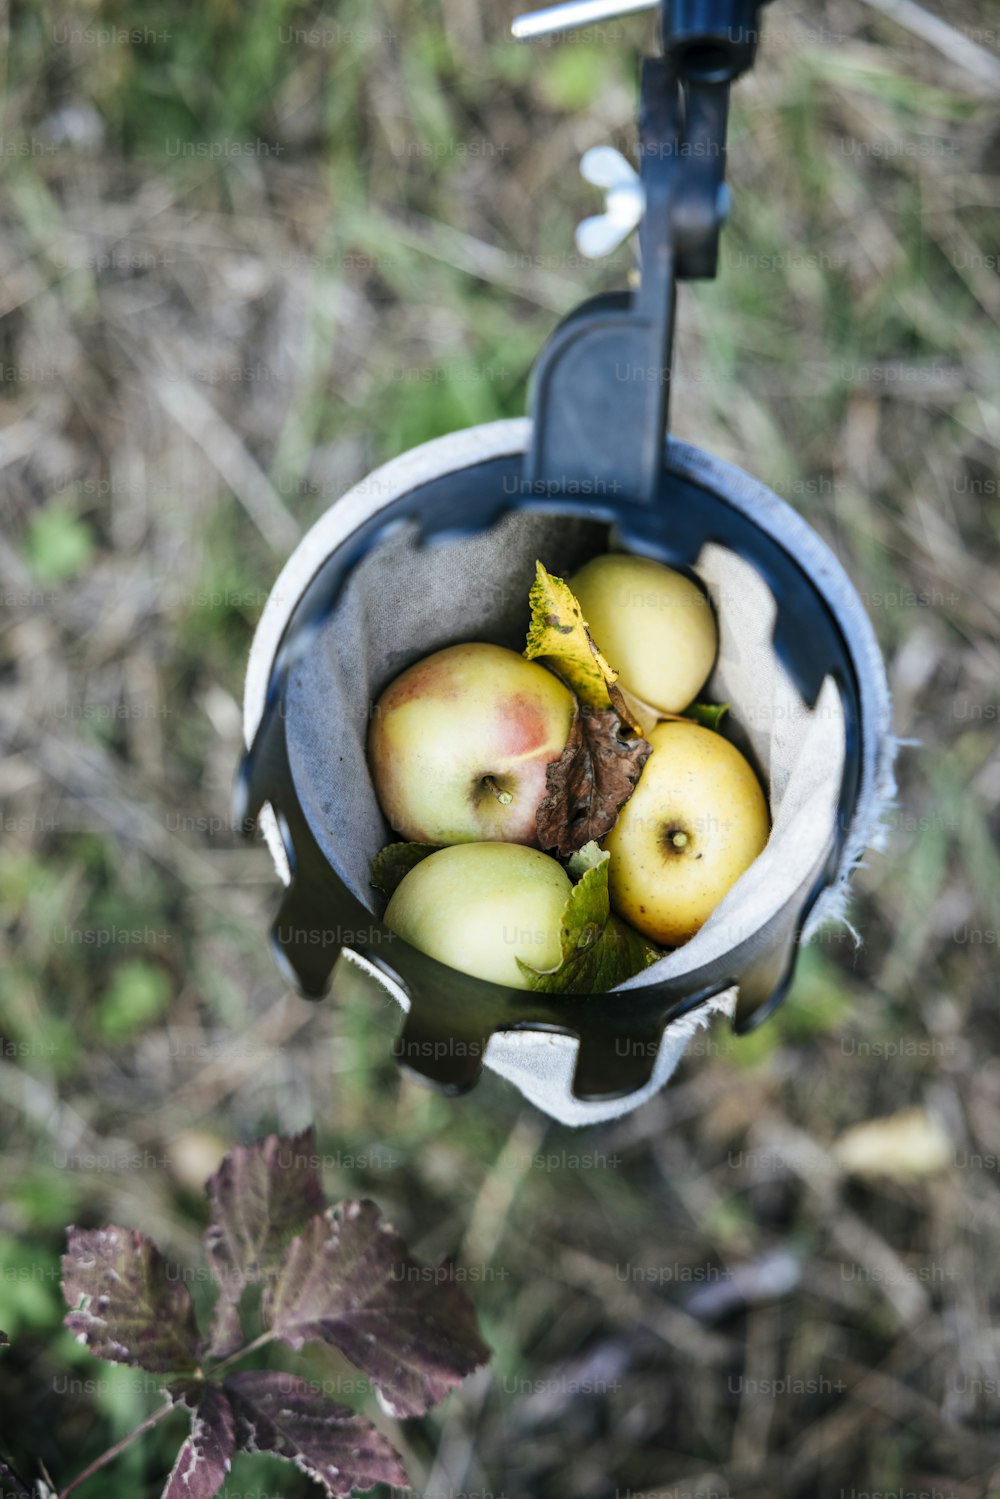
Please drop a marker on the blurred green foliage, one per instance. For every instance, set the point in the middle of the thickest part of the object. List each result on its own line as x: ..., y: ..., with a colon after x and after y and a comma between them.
x: 447, y: 270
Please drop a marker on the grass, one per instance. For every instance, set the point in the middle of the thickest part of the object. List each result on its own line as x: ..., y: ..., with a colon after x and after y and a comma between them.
x: 245, y: 257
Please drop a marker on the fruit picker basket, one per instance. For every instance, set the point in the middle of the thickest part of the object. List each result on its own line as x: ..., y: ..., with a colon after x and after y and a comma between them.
x: 440, y: 546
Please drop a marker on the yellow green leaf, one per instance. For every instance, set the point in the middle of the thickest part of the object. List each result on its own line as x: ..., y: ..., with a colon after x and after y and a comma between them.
x: 558, y: 635
x: 599, y: 952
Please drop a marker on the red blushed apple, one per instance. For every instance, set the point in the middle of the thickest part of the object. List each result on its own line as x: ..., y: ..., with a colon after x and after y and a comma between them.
x: 459, y: 744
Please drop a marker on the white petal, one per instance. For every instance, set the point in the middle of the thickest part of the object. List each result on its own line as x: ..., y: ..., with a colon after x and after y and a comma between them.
x: 606, y: 167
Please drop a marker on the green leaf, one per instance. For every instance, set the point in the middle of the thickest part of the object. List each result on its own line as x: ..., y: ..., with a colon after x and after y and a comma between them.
x: 137, y: 994
x: 558, y: 635
x: 28, y: 1287
x: 395, y: 861
x: 599, y: 952
x: 58, y: 544
x: 590, y: 856
x: 575, y: 77
x: 709, y: 715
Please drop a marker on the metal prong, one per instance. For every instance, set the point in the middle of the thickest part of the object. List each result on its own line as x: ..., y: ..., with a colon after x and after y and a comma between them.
x: 573, y: 14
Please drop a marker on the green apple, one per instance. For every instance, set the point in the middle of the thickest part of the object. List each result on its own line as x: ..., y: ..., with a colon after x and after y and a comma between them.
x: 460, y: 742
x: 480, y: 906
x: 653, y: 625
x: 695, y: 821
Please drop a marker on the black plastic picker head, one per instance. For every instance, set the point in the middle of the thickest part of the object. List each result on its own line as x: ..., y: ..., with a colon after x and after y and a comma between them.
x: 598, y: 448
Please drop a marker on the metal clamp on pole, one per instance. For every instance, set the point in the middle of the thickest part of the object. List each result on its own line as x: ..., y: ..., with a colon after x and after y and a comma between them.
x: 600, y: 393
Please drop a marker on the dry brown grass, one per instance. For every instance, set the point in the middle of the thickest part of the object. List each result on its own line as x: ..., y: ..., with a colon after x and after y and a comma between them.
x: 205, y: 355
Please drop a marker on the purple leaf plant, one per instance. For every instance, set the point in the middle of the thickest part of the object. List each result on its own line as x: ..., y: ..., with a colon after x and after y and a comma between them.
x: 339, y: 1275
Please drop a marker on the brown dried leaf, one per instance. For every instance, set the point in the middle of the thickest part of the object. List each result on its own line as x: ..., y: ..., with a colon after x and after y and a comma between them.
x: 594, y: 776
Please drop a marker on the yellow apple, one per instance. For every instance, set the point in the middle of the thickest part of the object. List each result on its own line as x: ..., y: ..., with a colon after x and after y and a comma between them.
x: 696, y: 820
x: 480, y: 906
x: 655, y: 627
x: 459, y: 745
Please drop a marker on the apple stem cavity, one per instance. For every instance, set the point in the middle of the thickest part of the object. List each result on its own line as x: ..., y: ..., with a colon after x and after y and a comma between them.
x: 679, y: 840
x: 503, y: 797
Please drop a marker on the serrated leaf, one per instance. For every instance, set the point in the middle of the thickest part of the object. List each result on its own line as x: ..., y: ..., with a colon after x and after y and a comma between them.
x: 590, y: 856
x: 125, y: 1306
x: 283, y: 1415
x: 206, y: 1456
x: 261, y: 1196
x: 349, y: 1280
x: 392, y: 863
x: 709, y: 715
x: 599, y: 952
x: 558, y: 635
x: 594, y: 776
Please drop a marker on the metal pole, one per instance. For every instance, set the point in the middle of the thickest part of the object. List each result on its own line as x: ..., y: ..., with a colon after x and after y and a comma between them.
x: 573, y: 14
